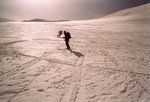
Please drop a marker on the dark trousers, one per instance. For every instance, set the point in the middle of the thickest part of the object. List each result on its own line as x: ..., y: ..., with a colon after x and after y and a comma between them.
x: 67, y: 43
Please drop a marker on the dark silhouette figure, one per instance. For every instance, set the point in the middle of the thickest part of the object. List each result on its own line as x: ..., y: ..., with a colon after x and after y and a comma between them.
x: 60, y: 33
x: 67, y: 38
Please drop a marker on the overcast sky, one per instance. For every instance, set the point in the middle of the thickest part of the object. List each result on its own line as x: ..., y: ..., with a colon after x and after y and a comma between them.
x: 63, y: 9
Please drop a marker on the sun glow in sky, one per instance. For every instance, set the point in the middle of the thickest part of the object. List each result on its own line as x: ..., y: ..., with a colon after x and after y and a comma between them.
x: 62, y: 9
x: 36, y: 8
x: 38, y: 4
x: 36, y: 1
x: 46, y: 9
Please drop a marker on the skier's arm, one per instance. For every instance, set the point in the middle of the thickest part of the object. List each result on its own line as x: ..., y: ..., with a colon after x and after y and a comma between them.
x: 62, y: 37
x: 59, y: 33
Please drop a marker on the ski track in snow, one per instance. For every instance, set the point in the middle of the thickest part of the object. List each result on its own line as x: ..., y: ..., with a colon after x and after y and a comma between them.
x: 109, y: 62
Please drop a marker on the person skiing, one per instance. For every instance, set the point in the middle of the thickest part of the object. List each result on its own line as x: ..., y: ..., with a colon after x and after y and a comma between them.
x: 66, y: 37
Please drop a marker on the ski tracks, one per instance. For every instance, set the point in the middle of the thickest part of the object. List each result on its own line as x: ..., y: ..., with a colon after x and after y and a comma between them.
x: 72, y: 91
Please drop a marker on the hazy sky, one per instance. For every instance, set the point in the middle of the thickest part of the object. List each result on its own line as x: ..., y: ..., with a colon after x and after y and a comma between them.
x: 63, y: 9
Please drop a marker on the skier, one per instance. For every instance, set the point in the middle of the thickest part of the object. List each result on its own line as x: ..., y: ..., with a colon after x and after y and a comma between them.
x: 66, y: 37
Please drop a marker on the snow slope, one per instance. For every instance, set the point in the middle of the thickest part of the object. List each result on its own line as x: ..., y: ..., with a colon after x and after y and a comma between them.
x: 109, y: 61
x: 140, y: 10
x: 136, y: 13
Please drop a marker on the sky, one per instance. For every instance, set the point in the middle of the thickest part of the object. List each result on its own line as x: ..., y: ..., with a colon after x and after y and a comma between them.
x: 63, y: 9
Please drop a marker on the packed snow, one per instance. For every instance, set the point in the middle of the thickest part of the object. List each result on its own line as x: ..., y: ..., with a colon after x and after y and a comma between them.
x: 109, y: 62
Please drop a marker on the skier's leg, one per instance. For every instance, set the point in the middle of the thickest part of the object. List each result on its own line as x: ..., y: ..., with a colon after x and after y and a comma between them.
x: 67, y: 44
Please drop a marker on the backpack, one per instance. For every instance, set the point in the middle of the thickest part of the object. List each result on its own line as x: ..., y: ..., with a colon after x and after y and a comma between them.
x: 68, y: 33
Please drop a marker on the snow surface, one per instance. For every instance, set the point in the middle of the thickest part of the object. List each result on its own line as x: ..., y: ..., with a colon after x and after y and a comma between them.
x: 109, y: 62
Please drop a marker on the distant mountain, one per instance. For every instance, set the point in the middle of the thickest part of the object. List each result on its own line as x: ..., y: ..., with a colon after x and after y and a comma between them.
x: 60, y: 21
x: 36, y: 20
x: 43, y: 20
x: 2, y: 19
